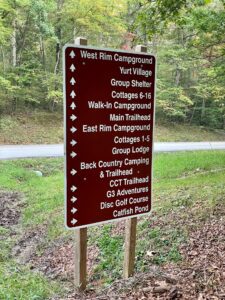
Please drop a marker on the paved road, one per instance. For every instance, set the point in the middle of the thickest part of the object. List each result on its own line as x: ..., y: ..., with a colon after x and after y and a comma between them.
x: 26, y: 151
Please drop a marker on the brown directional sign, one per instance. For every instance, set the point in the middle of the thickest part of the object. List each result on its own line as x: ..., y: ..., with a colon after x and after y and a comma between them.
x: 109, y: 116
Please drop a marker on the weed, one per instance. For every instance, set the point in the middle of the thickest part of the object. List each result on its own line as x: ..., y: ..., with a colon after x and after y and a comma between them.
x: 111, y: 254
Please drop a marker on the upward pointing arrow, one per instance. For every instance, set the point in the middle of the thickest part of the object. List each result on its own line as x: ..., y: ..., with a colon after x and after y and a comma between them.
x: 72, y: 94
x: 72, y: 68
x: 72, y: 54
x: 73, y: 105
x: 72, y: 81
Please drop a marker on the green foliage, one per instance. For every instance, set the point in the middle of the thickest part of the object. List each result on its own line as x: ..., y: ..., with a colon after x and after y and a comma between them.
x: 186, y: 35
x: 173, y: 103
x: 17, y: 282
x: 188, y: 38
x: 110, y: 258
x: 176, y: 199
x: 32, y: 34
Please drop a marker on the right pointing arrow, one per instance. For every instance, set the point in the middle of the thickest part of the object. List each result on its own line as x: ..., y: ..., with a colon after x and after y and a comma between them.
x: 73, y: 143
x: 73, y: 199
x: 73, y: 117
x: 73, y: 154
x: 73, y: 129
x: 73, y: 172
x: 73, y: 188
x: 74, y: 221
x: 73, y: 210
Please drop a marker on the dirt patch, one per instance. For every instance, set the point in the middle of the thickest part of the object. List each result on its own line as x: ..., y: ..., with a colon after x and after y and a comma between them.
x: 118, y: 228
x: 152, y: 285
x: 10, y: 208
x: 26, y: 247
x: 200, y: 276
x: 11, y: 204
x: 58, y: 261
x: 203, y: 268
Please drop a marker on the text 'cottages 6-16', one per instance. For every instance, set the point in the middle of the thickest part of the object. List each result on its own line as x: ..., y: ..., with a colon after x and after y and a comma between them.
x: 109, y: 118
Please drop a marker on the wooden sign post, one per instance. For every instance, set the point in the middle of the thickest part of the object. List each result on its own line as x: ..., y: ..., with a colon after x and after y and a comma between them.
x: 131, y: 226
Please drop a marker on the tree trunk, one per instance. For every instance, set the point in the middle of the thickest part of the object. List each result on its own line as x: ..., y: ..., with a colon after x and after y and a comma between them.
x: 57, y: 48
x: 42, y: 51
x: 3, y: 59
x: 59, y: 37
x: 177, y: 76
x: 203, y: 110
x: 13, y: 41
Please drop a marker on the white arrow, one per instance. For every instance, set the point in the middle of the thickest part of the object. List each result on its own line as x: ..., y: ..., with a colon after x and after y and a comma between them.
x: 73, y: 172
x: 72, y: 94
x: 73, y: 188
x: 73, y: 105
x: 74, y: 221
x: 73, y: 210
x: 72, y: 81
x: 73, y: 129
x: 73, y: 117
x: 72, y: 68
x: 73, y: 154
x: 73, y: 199
x: 72, y: 54
x: 73, y: 143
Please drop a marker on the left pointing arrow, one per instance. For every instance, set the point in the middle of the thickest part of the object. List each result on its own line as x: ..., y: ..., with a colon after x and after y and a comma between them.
x: 72, y: 54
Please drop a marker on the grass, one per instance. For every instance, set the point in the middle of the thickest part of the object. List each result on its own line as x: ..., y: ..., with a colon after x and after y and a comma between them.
x: 185, y: 133
x: 184, y: 186
x: 47, y: 128
x: 31, y: 128
x: 18, y: 282
x: 41, y: 194
x: 180, y: 164
x: 111, y: 256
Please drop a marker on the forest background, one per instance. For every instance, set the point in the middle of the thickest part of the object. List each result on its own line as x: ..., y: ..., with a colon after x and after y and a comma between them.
x: 187, y: 36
